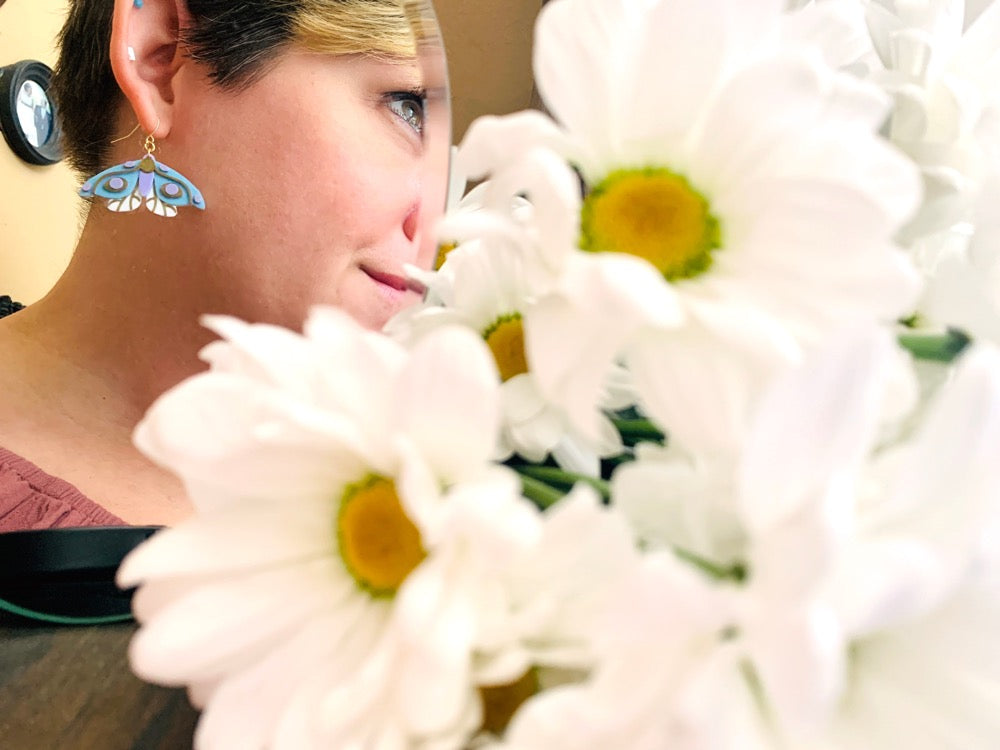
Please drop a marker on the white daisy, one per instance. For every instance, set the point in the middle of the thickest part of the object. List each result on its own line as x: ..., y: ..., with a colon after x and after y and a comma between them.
x: 656, y: 684
x: 860, y: 568
x: 939, y: 59
x: 485, y: 286
x: 964, y: 287
x: 329, y: 591
x: 733, y: 215
x: 835, y: 27
x: 548, y: 630
x: 893, y: 613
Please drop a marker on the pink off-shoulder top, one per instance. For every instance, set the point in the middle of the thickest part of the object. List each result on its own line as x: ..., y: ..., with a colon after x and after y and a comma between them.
x: 32, y: 499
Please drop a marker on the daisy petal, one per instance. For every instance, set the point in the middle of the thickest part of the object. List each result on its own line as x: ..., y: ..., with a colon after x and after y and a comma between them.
x: 816, y: 423
x: 704, y: 398
x: 701, y: 52
x: 799, y: 658
x: 204, y: 633
x: 454, y: 421
x: 247, y: 537
x: 268, y: 685
x: 588, y: 33
x: 955, y: 457
x: 433, y: 673
x: 490, y: 140
x: 225, y: 431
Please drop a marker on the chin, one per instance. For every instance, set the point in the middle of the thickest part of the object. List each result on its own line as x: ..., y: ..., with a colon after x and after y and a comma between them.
x: 380, y: 310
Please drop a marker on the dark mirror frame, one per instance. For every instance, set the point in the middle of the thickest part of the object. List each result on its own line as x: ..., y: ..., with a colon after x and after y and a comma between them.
x: 12, y: 77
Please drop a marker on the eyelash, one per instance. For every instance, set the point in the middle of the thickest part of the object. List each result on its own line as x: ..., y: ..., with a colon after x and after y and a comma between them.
x: 402, y: 97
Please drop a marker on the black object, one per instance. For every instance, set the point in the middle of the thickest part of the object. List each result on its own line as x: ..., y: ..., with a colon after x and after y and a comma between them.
x: 27, y: 115
x: 8, y: 306
x: 67, y: 576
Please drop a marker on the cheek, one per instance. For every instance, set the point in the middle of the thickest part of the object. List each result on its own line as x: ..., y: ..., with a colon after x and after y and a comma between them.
x: 368, y: 199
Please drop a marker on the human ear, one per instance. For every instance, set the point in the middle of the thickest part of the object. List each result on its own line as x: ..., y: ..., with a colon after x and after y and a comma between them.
x: 145, y: 57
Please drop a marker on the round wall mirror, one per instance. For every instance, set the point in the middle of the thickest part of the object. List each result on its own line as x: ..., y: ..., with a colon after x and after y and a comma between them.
x: 27, y: 115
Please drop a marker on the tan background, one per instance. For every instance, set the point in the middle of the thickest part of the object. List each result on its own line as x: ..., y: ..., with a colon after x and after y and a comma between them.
x: 38, y: 206
x: 489, y: 44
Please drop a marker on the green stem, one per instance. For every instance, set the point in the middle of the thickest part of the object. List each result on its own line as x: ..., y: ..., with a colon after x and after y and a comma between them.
x: 540, y: 493
x: 735, y: 572
x: 638, y: 430
x: 935, y: 347
x: 555, y: 476
x: 536, y: 485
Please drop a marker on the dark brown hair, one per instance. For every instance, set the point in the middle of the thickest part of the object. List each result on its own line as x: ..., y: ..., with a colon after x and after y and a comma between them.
x: 235, y: 41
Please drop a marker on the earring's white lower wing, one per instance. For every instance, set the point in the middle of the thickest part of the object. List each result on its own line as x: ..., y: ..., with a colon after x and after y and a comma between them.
x: 130, y: 202
x: 160, y: 208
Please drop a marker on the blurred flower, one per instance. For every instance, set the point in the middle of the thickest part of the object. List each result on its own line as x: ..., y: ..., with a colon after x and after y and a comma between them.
x: 348, y: 528
x: 487, y: 289
x: 836, y: 28
x: 559, y: 590
x: 940, y: 60
x: 888, y: 578
x: 845, y: 568
x: 733, y: 215
x: 662, y: 645
x: 358, y: 571
x: 964, y: 286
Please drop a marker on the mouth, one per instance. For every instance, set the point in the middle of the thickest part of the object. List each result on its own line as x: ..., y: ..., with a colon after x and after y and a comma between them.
x: 391, y: 280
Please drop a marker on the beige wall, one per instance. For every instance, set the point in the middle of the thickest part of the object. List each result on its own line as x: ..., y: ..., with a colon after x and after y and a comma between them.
x: 38, y: 205
x: 489, y: 51
x: 489, y: 54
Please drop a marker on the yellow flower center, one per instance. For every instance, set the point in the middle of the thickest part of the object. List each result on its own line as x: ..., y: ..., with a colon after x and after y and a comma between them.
x: 653, y: 214
x: 505, y: 338
x: 442, y: 254
x: 500, y: 702
x: 379, y: 543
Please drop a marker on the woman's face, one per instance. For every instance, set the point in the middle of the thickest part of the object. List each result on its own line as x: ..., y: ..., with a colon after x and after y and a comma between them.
x: 317, y: 180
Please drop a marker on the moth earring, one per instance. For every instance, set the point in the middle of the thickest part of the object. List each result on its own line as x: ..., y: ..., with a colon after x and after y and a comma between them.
x: 144, y: 181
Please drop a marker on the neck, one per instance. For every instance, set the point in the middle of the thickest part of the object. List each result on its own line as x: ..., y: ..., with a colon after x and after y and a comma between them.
x: 123, y: 319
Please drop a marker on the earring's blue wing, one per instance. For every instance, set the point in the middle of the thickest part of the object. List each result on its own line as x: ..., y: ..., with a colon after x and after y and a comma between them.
x: 171, y: 190
x: 118, y: 184
x: 129, y: 185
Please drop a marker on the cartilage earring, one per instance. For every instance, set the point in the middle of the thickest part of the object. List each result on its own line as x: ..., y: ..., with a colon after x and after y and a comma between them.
x: 144, y: 181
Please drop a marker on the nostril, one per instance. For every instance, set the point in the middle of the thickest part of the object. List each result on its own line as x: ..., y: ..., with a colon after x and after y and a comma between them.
x: 411, y: 223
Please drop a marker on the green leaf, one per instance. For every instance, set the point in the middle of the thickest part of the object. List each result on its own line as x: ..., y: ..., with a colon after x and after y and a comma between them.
x: 935, y: 347
x: 555, y: 476
x: 541, y: 494
x: 638, y: 430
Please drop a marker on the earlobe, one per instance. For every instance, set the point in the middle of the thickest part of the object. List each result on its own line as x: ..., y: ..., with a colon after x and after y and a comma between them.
x: 145, y: 57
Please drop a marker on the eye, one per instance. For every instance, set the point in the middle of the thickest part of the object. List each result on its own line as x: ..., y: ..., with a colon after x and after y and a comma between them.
x: 409, y: 107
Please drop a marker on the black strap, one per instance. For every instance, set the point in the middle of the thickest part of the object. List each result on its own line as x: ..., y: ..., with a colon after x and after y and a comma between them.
x: 67, y: 576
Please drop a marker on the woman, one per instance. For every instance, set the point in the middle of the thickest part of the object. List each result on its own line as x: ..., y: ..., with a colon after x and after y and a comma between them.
x: 303, y: 125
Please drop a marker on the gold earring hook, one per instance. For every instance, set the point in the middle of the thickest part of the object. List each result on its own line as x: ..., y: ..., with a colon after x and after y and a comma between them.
x: 128, y: 135
x: 150, y: 144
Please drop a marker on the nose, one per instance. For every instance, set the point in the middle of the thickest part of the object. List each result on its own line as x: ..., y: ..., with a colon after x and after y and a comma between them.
x: 411, y: 222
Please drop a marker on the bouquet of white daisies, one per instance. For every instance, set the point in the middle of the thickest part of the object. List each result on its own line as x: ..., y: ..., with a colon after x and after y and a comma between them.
x: 693, y: 443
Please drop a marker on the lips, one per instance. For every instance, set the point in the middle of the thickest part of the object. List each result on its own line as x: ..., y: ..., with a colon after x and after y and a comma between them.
x: 391, y: 280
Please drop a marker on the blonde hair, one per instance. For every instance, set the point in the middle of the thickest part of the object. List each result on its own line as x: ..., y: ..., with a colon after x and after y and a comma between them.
x: 393, y: 29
